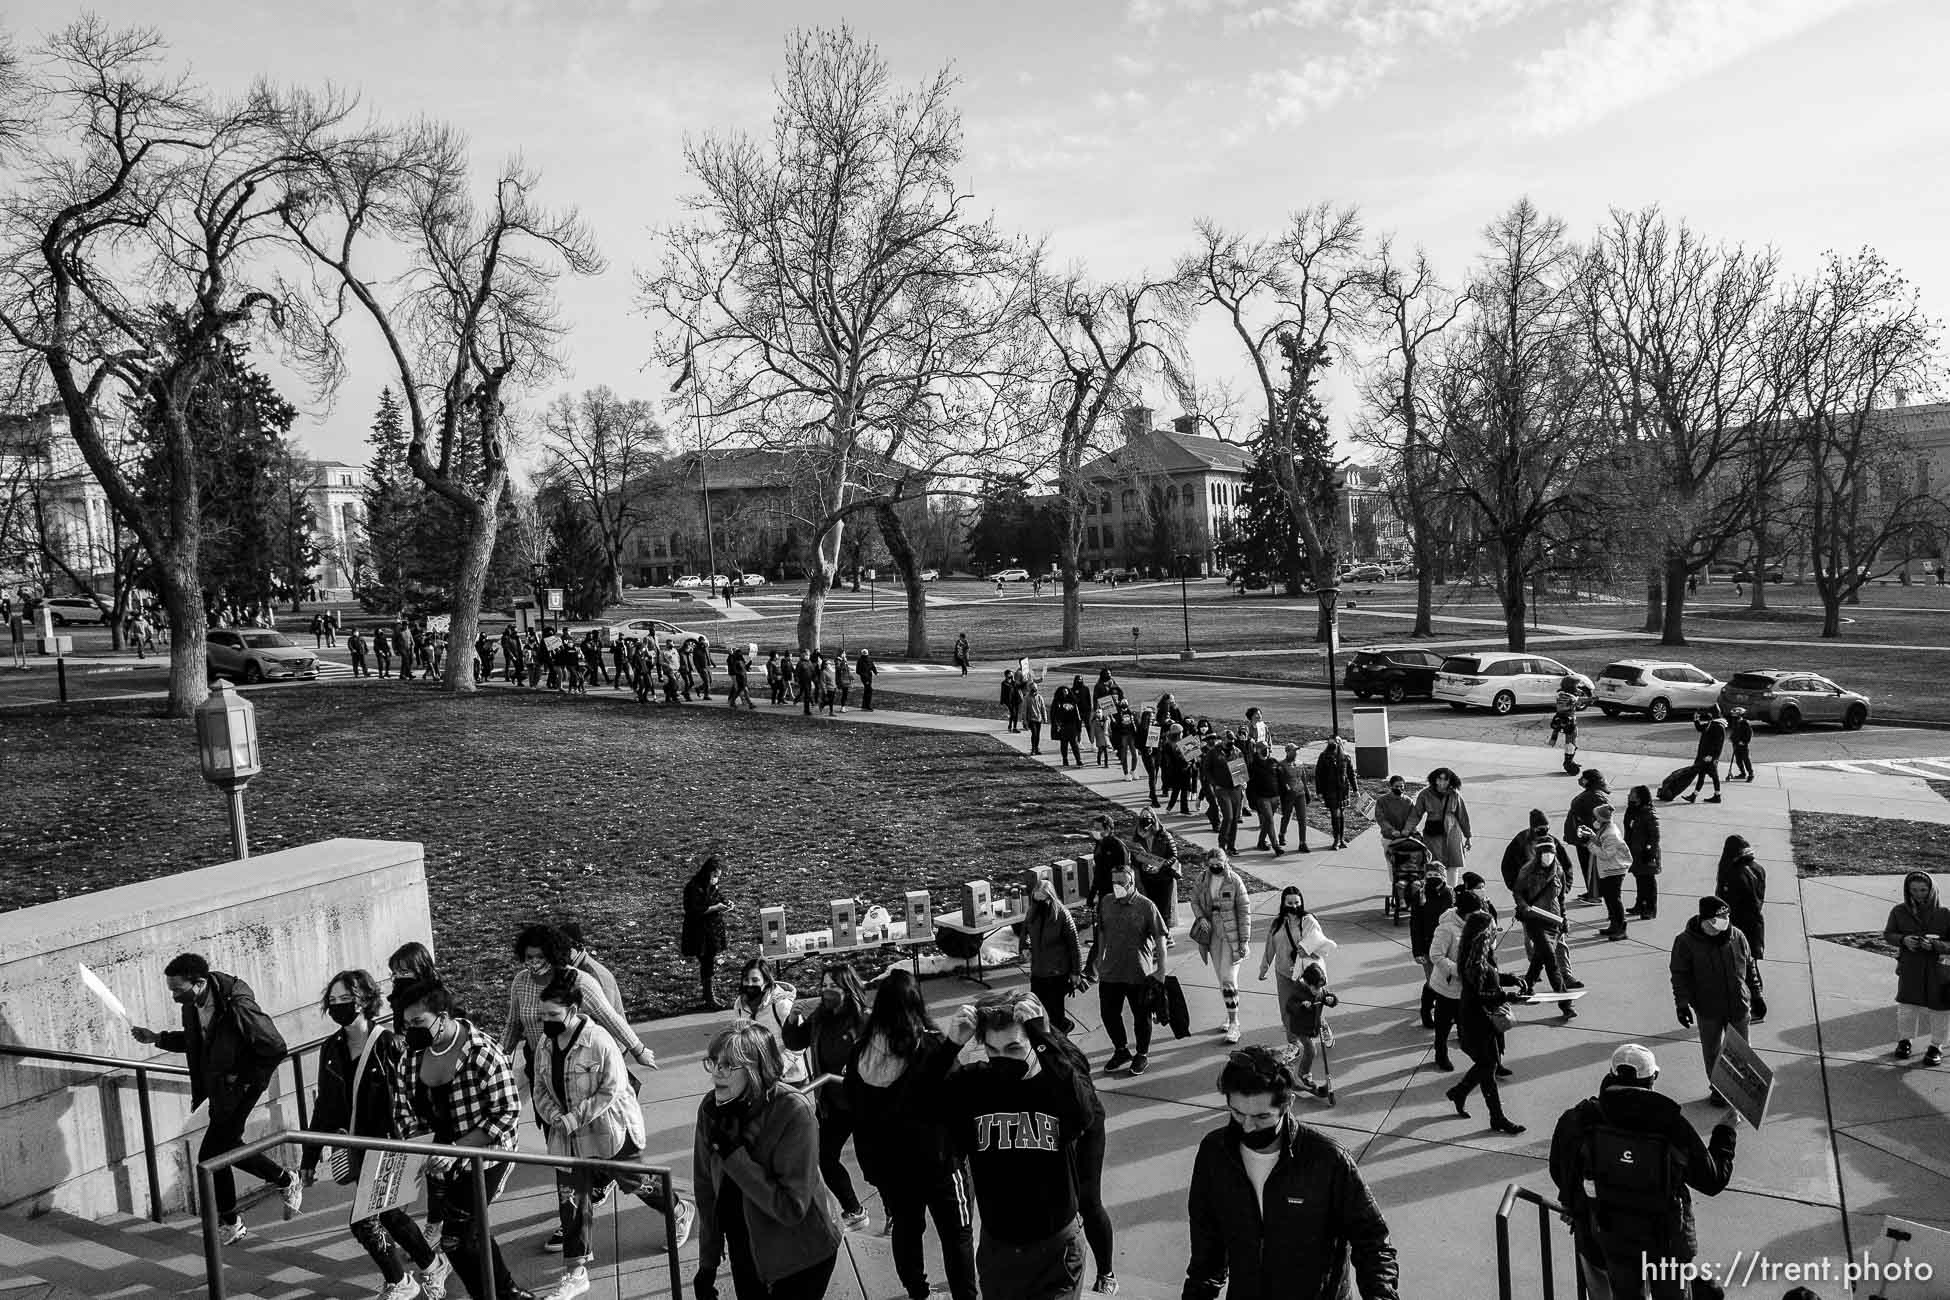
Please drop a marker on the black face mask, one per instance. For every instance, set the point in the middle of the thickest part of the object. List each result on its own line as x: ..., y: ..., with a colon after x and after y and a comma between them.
x: 1009, y: 1069
x: 1260, y: 1139
x: 342, y: 1013
x: 419, y: 1038
x: 555, y: 1028
x: 187, y: 998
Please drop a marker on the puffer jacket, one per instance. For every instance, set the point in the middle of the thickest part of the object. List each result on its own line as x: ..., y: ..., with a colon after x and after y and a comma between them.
x: 1610, y: 854
x: 1713, y: 974
x: 1743, y: 884
x: 598, y: 1099
x: 1049, y: 933
x: 1915, y: 981
x: 1285, y: 949
x: 773, y: 1013
x: 1223, y: 901
x: 1642, y: 834
x: 1445, y: 949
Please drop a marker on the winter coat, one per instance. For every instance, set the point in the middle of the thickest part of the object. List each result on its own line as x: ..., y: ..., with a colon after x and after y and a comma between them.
x: 336, y: 1110
x: 1034, y: 708
x: 1713, y: 974
x: 1517, y: 854
x: 1049, y: 934
x: 898, y: 1144
x: 1262, y: 779
x: 792, y: 1221
x: 773, y: 1012
x: 1712, y: 739
x: 1222, y: 900
x: 1743, y: 884
x: 704, y: 930
x: 1583, y: 813
x: 1611, y: 855
x: 1289, y: 948
x: 828, y: 1041
x: 1428, y: 900
x: 1314, y: 1232
x: 242, y: 1048
x: 1334, y: 777
x: 1541, y: 889
x: 1917, y: 984
x: 598, y: 1097
x: 1130, y: 944
x: 1445, y: 947
x: 1642, y: 834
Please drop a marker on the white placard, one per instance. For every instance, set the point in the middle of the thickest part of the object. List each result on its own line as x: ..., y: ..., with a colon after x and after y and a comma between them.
x: 389, y: 1180
x: 93, y: 983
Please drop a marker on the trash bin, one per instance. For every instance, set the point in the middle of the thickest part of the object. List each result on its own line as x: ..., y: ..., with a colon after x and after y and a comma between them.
x: 1371, y: 741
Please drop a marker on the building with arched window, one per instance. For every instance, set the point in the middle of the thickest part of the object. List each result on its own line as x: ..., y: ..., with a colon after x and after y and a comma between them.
x: 1162, y: 493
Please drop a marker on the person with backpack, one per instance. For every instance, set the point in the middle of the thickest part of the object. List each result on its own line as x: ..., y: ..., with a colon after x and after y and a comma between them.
x: 1740, y: 733
x: 1526, y: 844
x: 1642, y: 835
x: 1714, y: 981
x: 1712, y: 730
x: 1626, y: 1163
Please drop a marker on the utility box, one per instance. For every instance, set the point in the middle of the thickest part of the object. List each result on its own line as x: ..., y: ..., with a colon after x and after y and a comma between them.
x: 920, y: 914
x: 1066, y: 880
x: 771, y: 931
x: 57, y: 645
x: 846, y: 922
x: 1040, y: 875
x: 1371, y: 742
x: 975, y: 902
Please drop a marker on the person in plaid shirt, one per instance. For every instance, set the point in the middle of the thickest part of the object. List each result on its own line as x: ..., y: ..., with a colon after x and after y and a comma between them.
x: 455, y: 1084
x: 543, y: 950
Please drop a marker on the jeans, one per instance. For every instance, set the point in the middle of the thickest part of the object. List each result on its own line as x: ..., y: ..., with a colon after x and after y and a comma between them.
x: 1482, y: 1074
x: 460, y: 1234
x: 1445, y: 1021
x: 1050, y: 1269
x: 1150, y: 762
x: 951, y: 1203
x: 1337, y: 820
x: 386, y: 1236
x: 1293, y: 808
x: 359, y: 668
x: 1743, y: 761
x: 835, y: 1127
x: 1228, y: 799
x: 1611, y: 889
x: 1268, y: 837
x: 1067, y: 745
x: 1705, y: 769
x: 1051, y: 990
x: 1646, y: 901
x: 1035, y: 737
x: 230, y: 1110
x: 1711, y: 1033
x: 1111, y: 999
x: 575, y: 1203
x: 1087, y: 1159
x: 1544, y: 944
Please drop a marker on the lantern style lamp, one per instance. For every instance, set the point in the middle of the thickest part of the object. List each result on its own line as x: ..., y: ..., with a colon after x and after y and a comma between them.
x: 226, y: 747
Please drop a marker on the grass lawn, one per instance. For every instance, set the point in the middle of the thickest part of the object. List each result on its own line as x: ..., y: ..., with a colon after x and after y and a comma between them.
x: 1831, y: 844
x: 540, y: 806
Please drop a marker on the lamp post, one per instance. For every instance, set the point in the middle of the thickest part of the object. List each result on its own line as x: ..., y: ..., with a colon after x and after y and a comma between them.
x: 226, y: 748
x: 538, y: 578
x: 1185, y: 607
x: 1330, y: 596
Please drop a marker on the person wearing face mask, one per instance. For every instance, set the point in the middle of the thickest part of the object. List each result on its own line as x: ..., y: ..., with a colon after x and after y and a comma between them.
x: 1611, y: 862
x: 1429, y: 899
x: 826, y: 1035
x: 454, y: 1084
x: 1107, y: 854
x: 1155, y: 853
x: 704, y: 933
x: 1714, y: 980
x: 1642, y: 836
x: 543, y: 951
x: 761, y: 1203
x: 356, y: 1067
x: 588, y: 1107
x: 1276, y: 1207
x: 1483, y: 990
x: 1919, y: 930
x: 1016, y: 1117
x: 1049, y: 937
x: 1540, y: 895
x: 1445, y: 821
x: 769, y: 1002
x: 1126, y: 954
x: 1222, y: 927
x: 233, y: 1049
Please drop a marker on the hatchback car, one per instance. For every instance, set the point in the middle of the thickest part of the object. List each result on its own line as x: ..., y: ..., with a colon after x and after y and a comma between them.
x: 258, y: 655
x: 1012, y: 575
x: 751, y: 580
x: 930, y: 575
x: 1392, y: 674
x: 1502, y: 681
x: 1363, y: 573
x: 688, y: 580
x: 73, y: 610
x: 1655, y: 687
x: 1788, y: 697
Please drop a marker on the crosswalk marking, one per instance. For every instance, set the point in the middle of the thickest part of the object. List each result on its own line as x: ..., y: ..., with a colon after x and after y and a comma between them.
x: 1935, y: 768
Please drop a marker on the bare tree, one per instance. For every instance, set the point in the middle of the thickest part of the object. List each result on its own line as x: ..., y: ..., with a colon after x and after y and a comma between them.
x: 1675, y: 330
x: 1852, y: 338
x: 471, y: 324
x: 1290, y: 303
x: 605, y: 452
x: 1412, y: 311
x: 832, y: 300
x: 1515, y: 438
x: 133, y: 230
x: 1099, y: 344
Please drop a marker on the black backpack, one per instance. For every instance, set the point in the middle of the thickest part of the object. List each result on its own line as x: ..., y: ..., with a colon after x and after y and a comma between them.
x: 1631, y: 1182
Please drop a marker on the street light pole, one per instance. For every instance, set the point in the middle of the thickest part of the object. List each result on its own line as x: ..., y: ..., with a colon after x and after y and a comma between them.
x: 1185, y: 607
x: 1329, y: 598
x: 704, y: 471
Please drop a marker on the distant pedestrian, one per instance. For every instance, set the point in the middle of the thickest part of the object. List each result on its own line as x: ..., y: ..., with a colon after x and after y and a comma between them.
x: 961, y: 647
x: 1334, y: 785
x: 1034, y: 713
x: 829, y: 684
x: 842, y: 678
x: 317, y: 631
x: 1919, y: 930
x: 1445, y: 821
x: 1564, y: 722
x: 701, y: 664
x: 1293, y: 781
x: 356, y: 646
x: 1742, y: 882
x: 1642, y: 834
x: 1712, y: 730
x: 1740, y: 732
x: 1222, y: 929
x: 866, y: 669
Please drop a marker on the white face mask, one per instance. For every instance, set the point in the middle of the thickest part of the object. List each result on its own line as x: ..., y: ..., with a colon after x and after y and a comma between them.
x: 1716, y: 925
x: 1123, y: 891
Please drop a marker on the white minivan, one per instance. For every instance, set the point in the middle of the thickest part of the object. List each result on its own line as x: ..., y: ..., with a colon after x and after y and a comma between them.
x: 1501, y: 681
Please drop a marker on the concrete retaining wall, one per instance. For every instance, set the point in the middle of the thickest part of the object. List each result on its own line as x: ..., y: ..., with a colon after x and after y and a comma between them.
x: 71, y: 1137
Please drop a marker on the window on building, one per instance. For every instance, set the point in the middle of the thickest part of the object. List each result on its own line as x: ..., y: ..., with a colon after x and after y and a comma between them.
x: 1090, y: 537
x: 1129, y: 501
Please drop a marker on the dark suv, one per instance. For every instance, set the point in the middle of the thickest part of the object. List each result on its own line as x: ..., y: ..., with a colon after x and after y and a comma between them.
x: 1392, y: 674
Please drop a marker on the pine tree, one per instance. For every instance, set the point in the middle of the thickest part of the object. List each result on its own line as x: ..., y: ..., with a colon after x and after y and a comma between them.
x: 393, y: 502
x: 576, y: 562
x: 1261, y: 541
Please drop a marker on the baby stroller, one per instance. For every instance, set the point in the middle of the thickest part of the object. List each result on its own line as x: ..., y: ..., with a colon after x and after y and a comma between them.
x: 1408, y: 861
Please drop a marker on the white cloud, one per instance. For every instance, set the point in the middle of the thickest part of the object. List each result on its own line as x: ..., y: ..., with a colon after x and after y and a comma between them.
x: 1291, y: 95
x: 1643, y: 48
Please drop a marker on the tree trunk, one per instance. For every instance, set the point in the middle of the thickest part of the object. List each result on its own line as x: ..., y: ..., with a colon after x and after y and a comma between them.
x: 1831, y: 613
x: 189, y: 683
x: 1325, y: 573
x: 1072, y: 606
x: 1424, y: 599
x: 470, y: 580
x: 812, y: 606
x: 1672, y: 630
x: 894, y: 532
x: 1515, y: 608
x: 1655, y: 601
x: 1758, y: 567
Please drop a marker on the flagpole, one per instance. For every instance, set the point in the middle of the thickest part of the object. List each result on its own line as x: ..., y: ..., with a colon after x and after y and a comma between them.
x: 703, y: 466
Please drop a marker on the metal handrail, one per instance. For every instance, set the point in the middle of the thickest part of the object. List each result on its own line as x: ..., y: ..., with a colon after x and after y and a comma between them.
x: 478, y: 1159
x: 142, y: 1072
x: 1546, y: 1207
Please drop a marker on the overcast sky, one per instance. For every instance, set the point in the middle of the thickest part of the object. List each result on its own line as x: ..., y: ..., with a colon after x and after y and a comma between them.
x: 1110, y: 126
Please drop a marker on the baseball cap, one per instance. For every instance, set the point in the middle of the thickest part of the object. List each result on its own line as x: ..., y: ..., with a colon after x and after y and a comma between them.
x: 1634, y: 1060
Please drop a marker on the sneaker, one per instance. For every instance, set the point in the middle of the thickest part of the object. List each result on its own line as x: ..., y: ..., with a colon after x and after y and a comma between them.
x: 404, y: 1289
x: 293, y: 1195
x: 1121, y: 1058
x: 1307, y: 1081
x: 1232, y: 1034
x: 1903, y: 1050
x: 1138, y: 1063
x: 686, y: 1216
x: 232, y: 1233
x: 574, y: 1282
x: 554, y: 1242
x: 1568, y: 1011
x: 1106, y: 1284
x: 1572, y: 985
x: 1934, y: 1056
x: 855, y: 1220
x: 433, y: 1278
x: 1714, y: 798
x: 1689, y: 797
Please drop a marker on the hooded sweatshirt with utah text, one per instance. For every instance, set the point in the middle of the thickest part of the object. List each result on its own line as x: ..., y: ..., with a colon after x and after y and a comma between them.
x: 1016, y: 1134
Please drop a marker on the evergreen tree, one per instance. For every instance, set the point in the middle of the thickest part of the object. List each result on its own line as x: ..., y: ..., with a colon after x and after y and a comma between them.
x: 292, y: 524
x: 393, y: 500
x: 577, y: 562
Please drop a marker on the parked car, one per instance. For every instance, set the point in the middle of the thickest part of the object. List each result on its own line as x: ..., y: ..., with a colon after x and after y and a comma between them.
x: 253, y: 655
x: 74, y: 610
x: 655, y: 628
x: 1011, y: 575
x: 1655, y: 687
x: 688, y: 580
x: 930, y: 575
x: 1745, y: 573
x: 1363, y: 573
x: 1392, y: 674
x: 1788, y: 697
x: 1502, y: 681
x: 751, y: 580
